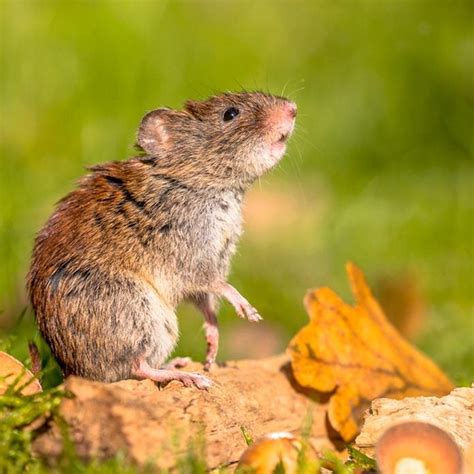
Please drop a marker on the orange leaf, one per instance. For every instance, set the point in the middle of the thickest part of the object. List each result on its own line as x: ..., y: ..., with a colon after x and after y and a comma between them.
x: 354, y: 352
x: 12, y: 370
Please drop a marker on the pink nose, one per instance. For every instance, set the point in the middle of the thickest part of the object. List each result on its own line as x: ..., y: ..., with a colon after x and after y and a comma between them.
x: 281, y: 118
x: 292, y: 109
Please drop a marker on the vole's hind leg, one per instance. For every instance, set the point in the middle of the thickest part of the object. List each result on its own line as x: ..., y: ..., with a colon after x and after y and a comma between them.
x: 206, y: 303
x: 163, y: 376
x: 242, y: 306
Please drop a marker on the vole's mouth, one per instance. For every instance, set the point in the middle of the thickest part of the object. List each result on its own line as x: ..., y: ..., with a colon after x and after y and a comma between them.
x: 283, y: 137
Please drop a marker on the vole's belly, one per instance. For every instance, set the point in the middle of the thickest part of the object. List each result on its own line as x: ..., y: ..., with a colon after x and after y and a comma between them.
x: 207, y: 245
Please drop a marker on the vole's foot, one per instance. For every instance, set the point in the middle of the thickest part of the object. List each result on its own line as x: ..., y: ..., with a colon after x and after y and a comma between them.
x: 164, y: 376
x: 193, y: 378
x: 247, y: 311
x: 177, y: 363
x: 242, y: 306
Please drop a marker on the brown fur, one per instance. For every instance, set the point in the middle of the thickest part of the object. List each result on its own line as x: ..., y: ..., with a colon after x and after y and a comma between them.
x: 138, y: 236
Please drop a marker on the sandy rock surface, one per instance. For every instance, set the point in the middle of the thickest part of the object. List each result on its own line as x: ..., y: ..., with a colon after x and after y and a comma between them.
x: 153, y: 424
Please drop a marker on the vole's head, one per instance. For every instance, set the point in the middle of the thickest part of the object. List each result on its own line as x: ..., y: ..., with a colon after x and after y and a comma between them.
x: 233, y: 137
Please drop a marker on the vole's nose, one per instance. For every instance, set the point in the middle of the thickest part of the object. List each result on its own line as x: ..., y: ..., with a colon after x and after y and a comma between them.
x: 286, y: 111
x: 292, y: 109
x: 281, y: 120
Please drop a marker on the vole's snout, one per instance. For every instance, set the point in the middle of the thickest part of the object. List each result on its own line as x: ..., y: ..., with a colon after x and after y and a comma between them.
x: 280, y: 122
x: 292, y: 109
x: 288, y: 111
x: 282, y: 119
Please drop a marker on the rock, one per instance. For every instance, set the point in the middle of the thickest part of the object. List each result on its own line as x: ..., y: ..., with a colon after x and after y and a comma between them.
x: 152, y: 424
x: 453, y: 413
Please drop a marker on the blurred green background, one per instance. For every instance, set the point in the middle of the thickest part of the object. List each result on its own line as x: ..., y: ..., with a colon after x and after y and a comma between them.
x: 379, y: 170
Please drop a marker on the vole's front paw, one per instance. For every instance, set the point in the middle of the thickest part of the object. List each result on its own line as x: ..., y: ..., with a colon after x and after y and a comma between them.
x: 247, y: 311
x: 242, y: 306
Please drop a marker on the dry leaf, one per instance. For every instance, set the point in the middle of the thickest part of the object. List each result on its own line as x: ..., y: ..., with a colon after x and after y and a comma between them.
x: 275, y: 452
x: 10, y: 369
x: 354, y: 352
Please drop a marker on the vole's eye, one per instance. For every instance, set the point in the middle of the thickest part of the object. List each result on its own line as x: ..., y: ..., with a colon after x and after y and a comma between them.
x: 230, y: 114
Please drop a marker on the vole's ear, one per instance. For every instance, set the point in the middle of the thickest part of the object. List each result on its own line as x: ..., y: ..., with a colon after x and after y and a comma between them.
x: 153, y: 134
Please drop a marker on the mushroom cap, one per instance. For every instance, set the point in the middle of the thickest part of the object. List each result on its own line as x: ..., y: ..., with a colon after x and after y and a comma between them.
x: 417, y: 448
x: 10, y: 369
x: 263, y: 456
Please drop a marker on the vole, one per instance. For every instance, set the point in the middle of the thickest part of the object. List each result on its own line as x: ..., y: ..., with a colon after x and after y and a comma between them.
x: 139, y: 236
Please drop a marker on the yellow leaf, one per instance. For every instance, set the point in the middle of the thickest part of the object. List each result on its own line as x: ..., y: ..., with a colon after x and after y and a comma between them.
x: 12, y: 370
x: 354, y: 352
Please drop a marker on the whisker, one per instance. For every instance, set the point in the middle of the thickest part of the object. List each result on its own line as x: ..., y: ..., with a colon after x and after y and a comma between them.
x: 295, y: 91
x: 282, y: 94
